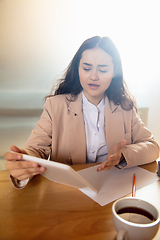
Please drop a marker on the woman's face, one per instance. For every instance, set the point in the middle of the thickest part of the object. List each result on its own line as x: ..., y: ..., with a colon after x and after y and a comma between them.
x: 96, y: 71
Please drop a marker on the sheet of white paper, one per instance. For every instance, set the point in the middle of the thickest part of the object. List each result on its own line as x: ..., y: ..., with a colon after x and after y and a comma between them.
x: 114, y: 183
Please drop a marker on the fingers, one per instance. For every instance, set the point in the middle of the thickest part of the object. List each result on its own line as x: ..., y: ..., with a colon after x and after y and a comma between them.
x: 111, y: 161
x: 107, y: 164
x: 22, y: 174
x: 23, y: 169
x: 113, y: 156
x: 14, y: 165
x: 10, y: 156
x: 120, y: 144
x: 14, y: 148
x: 18, y: 168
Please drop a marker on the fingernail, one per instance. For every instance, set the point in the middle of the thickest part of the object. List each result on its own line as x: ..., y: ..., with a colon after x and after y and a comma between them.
x: 18, y: 157
x: 99, y: 169
x: 41, y: 169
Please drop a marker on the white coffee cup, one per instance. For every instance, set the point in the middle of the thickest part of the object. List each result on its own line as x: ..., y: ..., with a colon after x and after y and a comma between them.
x: 132, y: 226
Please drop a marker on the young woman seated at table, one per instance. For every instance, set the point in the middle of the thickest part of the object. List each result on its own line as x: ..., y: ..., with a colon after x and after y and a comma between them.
x: 90, y: 118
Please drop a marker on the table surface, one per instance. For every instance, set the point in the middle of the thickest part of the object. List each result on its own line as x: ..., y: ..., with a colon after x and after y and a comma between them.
x: 49, y: 210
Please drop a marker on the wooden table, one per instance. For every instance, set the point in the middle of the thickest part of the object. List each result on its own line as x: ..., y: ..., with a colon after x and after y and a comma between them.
x: 48, y: 210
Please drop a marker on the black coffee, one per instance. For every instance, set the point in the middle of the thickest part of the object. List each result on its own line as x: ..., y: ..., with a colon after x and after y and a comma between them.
x: 137, y: 215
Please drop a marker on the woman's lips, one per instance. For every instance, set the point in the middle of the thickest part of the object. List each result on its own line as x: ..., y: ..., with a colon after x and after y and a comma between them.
x: 93, y: 86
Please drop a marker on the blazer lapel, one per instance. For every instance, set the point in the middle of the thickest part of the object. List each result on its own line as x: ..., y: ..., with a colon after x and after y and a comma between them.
x: 114, y: 123
x: 77, y: 134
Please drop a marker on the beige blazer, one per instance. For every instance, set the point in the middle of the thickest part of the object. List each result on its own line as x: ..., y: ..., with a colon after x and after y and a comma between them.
x: 62, y: 130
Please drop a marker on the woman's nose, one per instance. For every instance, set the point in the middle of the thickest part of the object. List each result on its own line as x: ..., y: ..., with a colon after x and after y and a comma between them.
x: 94, y: 75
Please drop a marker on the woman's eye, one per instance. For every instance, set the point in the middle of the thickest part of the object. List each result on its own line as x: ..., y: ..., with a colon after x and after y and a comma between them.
x: 87, y: 69
x: 103, y: 71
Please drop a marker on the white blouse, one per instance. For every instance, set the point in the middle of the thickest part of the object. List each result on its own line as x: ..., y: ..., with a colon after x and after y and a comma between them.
x: 95, y: 130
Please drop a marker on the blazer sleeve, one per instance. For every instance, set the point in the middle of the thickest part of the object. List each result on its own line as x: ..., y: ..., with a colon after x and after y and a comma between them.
x: 143, y: 148
x: 40, y: 140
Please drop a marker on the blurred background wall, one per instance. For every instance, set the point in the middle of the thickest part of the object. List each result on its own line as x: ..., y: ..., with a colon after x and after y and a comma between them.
x: 38, y: 39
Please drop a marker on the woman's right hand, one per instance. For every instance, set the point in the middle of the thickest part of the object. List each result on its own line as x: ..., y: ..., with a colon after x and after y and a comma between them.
x: 21, y: 169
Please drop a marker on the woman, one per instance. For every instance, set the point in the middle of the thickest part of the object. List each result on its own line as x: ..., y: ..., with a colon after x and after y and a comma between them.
x: 90, y: 118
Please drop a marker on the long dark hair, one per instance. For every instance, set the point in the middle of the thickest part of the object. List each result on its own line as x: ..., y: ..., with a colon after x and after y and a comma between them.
x: 116, y: 92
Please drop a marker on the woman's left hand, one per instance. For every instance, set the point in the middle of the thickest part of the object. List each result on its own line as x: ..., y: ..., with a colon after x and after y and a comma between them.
x: 113, y: 157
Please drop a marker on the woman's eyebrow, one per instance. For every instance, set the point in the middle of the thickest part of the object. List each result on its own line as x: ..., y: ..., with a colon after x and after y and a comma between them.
x: 104, y: 65
x: 100, y: 65
x: 88, y: 64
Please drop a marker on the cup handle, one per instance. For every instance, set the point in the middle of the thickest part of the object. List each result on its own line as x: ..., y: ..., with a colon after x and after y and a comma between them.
x: 122, y: 235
